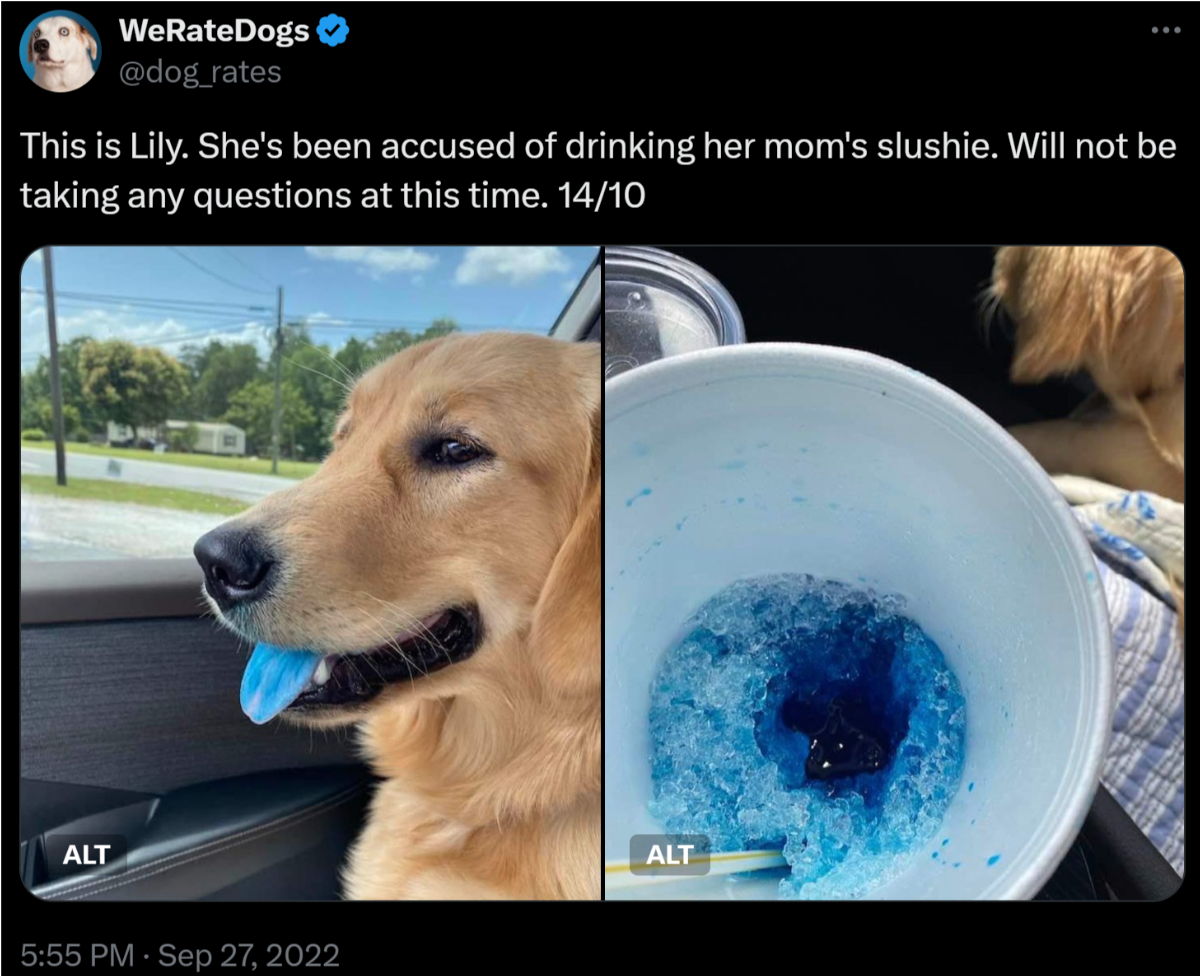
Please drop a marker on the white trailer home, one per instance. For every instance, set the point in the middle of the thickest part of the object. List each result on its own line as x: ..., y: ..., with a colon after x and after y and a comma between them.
x: 212, y: 438
x: 215, y: 438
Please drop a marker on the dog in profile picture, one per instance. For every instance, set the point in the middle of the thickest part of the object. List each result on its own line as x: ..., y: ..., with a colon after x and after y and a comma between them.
x: 61, y: 51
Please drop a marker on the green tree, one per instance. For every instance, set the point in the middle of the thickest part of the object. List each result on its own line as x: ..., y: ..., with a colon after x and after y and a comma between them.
x: 195, y: 359
x: 164, y: 385
x: 110, y: 379
x: 322, y: 382
x: 44, y: 416
x: 439, y: 327
x: 354, y: 356
x: 253, y: 407
x: 223, y: 370
x: 36, y: 384
x: 131, y: 385
x: 29, y: 403
x: 385, y: 344
x: 185, y: 441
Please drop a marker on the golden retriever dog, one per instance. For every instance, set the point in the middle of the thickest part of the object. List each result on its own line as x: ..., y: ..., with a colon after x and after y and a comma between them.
x: 1116, y: 313
x: 437, y: 583
x: 61, y: 51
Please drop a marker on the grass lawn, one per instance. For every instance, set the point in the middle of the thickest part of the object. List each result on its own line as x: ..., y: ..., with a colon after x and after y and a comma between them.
x: 287, y: 469
x: 121, y: 491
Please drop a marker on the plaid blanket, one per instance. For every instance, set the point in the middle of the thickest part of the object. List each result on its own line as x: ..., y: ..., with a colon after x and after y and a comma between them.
x: 1137, y: 540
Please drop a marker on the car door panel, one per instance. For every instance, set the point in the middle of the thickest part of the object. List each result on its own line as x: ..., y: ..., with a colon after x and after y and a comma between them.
x: 130, y: 722
x: 202, y: 840
x: 147, y: 705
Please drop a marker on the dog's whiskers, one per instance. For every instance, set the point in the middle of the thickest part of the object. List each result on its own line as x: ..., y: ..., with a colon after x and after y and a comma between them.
x: 381, y: 631
x: 990, y: 309
x: 412, y: 621
x: 374, y: 630
x: 345, y: 616
x: 340, y: 365
x: 332, y: 379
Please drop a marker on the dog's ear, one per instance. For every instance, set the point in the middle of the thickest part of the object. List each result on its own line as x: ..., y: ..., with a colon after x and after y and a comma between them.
x: 31, y: 48
x: 566, y: 624
x: 1082, y: 308
x: 89, y: 42
x: 1047, y: 292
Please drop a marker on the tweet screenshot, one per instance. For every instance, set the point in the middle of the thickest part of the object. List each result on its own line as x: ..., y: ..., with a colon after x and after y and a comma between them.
x: 387, y: 537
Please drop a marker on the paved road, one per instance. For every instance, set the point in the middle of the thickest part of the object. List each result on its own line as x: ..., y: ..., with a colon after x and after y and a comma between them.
x: 230, y: 484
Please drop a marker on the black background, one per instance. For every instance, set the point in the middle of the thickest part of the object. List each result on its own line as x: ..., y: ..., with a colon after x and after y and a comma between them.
x: 922, y: 306
x: 737, y: 70
x: 474, y: 70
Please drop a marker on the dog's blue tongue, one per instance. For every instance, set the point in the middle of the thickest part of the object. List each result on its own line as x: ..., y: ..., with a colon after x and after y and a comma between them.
x: 274, y: 679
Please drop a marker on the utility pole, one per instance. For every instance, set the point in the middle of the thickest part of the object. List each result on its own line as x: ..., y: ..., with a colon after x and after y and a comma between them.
x: 275, y: 421
x: 60, y: 449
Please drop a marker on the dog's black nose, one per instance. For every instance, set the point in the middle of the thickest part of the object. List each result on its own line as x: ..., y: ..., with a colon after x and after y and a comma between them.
x: 237, y: 565
x: 41, y: 46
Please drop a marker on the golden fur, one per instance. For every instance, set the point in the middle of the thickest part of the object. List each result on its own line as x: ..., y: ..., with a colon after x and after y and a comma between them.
x: 1116, y: 312
x: 492, y: 782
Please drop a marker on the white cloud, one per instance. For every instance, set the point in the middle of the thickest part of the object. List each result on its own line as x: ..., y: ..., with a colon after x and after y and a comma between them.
x: 516, y: 265
x: 377, y: 261
x: 33, y: 324
x: 169, y: 333
x: 322, y: 318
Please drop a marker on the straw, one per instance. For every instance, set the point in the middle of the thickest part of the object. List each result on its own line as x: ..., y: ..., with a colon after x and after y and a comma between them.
x: 618, y: 874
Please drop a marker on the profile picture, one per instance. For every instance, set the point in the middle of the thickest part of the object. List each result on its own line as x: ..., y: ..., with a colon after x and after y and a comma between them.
x: 60, y: 51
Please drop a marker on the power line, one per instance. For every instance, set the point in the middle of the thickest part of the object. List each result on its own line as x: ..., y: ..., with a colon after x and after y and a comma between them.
x: 182, y: 315
x: 343, y: 322
x: 98, y: 296
x: 213, y: 274
x: 210, y: 314
x: 186, y: 336
x: 191, y: 334
x: 324, y: 321
x: 246, y: 266
x: 136, y: 307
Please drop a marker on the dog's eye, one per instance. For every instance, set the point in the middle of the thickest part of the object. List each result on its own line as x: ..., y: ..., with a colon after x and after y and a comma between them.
x: 453, y: 451
x: 37, y: 33
x: 64, y: 32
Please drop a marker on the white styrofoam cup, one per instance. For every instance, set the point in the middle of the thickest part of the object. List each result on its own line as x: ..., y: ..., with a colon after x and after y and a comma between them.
x: 742, y: 461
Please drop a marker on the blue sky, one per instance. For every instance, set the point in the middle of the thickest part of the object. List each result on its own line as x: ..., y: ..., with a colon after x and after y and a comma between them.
x: 518, y: 288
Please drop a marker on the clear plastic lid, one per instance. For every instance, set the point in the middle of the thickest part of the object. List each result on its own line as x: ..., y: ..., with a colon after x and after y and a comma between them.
x: 658, y: 305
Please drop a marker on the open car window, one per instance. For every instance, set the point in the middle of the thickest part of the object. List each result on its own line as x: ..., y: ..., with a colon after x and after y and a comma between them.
x: 166, y: 361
